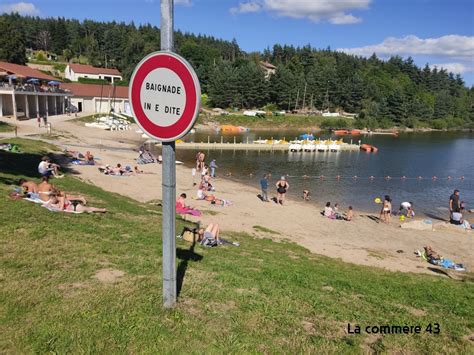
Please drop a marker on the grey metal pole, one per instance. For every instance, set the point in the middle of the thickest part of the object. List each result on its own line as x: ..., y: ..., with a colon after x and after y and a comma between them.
x: 168, y: 179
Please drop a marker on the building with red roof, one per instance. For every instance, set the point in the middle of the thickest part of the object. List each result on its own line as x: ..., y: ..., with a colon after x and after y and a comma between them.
x: 93, y: 98
x: 75, y: 71
x: 29, y: 93
x: 22, y: 71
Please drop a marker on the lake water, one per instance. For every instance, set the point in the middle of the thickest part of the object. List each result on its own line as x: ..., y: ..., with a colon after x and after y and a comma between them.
x: 438, y: 154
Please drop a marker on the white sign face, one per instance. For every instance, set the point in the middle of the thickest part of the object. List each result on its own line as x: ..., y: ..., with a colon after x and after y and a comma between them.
x: 163, y: 97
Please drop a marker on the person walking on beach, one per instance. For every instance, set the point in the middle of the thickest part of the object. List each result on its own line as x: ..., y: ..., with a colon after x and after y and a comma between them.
x: 264, y: 186
x: 213, y: 167
x: 282, y: 187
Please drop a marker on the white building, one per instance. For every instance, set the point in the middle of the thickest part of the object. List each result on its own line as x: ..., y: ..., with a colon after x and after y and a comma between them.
x: 28, y: 93
x: 75, y: 71
x: 93, y: 98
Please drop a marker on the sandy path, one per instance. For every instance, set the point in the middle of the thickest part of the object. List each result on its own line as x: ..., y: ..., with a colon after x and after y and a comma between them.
x: 361, y: 241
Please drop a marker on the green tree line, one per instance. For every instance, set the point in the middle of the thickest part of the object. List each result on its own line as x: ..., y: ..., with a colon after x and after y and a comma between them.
x: 382, y: 92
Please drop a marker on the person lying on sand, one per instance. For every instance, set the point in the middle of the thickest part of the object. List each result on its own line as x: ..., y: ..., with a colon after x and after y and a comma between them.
x: 63, y: 203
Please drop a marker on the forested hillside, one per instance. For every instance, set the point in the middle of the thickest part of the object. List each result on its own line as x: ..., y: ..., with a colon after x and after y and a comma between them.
x: 383, y: 93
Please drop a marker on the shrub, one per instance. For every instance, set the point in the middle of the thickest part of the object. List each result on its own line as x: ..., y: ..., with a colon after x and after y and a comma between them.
x: 93, y: 81
x: 335, y: 123
x: 439, y: 124
x: 40, y: 56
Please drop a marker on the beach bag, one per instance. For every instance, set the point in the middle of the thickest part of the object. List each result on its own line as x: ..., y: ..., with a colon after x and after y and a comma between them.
x: 189, y: 236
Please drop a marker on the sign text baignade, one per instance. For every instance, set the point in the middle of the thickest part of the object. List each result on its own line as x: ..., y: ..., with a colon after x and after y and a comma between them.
x: 171, y: 89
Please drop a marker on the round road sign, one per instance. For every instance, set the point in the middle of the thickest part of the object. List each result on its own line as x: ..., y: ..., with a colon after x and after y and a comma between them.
x: 165, y: 96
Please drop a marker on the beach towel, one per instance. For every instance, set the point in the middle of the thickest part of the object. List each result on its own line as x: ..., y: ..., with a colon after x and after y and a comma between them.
x: 190, y: 211
x: 82, y: 162
x: 52, y: 209
x: 418, y: 225
x: 34, y: 200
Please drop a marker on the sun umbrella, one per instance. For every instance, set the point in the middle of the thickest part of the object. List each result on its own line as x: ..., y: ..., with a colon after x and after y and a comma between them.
x: 32, y: 81
x: 53, y: 83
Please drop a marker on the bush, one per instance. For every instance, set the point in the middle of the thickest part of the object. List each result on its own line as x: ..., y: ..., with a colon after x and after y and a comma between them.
x: 121, y: 83
x: 336, y: 123
x: 93, y: 81
x: 455, y: 123
x: 385, y: 123
x: 439, y: 124
x: 204, y: 100
x: 61, y: 67
x: 270, y: 107
x: 369, y: 123
x: 40, y: 56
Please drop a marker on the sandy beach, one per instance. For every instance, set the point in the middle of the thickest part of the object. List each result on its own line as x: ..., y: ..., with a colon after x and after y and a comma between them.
x: 361, y: 241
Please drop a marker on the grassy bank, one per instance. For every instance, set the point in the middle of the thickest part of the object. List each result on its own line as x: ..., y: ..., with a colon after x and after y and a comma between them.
x: 6, y: 127
x: 263, y: 296
x: 287, y: 121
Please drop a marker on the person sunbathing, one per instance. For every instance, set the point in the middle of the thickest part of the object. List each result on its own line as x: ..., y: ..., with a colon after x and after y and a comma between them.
x: 68, y: 204
x: 89, y: 157
x: 45, y: 189
x: 118, y: 170
x: 29, y: 187
x: 349, y: 214
x: 209, y: 236
x: 182, y: 208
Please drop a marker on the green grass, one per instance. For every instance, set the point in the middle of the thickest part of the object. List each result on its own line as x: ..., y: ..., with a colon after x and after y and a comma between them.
x: 287, y: 121
x: 6, y: 127
x: 262, y: 297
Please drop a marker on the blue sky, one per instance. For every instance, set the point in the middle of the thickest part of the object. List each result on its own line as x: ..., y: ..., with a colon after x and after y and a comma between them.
x: 440, y: 32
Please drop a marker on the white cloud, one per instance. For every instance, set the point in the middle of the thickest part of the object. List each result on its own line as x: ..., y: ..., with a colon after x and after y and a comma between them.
x: 453, y: 46
x: 344, y: 19
x: 334, y: 11
x: 246, y: 7
x: 23, y: 8
x: 457, y: 68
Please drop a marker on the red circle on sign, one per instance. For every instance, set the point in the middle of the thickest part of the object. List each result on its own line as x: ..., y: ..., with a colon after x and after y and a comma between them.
x: 171, y: 62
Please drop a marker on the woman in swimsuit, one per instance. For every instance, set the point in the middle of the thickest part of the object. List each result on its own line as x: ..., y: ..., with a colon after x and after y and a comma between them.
x: 386, y: 211
x: 64, y: 204
x: 282, y: 187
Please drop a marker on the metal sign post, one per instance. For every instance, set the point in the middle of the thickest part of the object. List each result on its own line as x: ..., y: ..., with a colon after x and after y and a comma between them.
x: 165, y: 98
x: 168, y: 179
